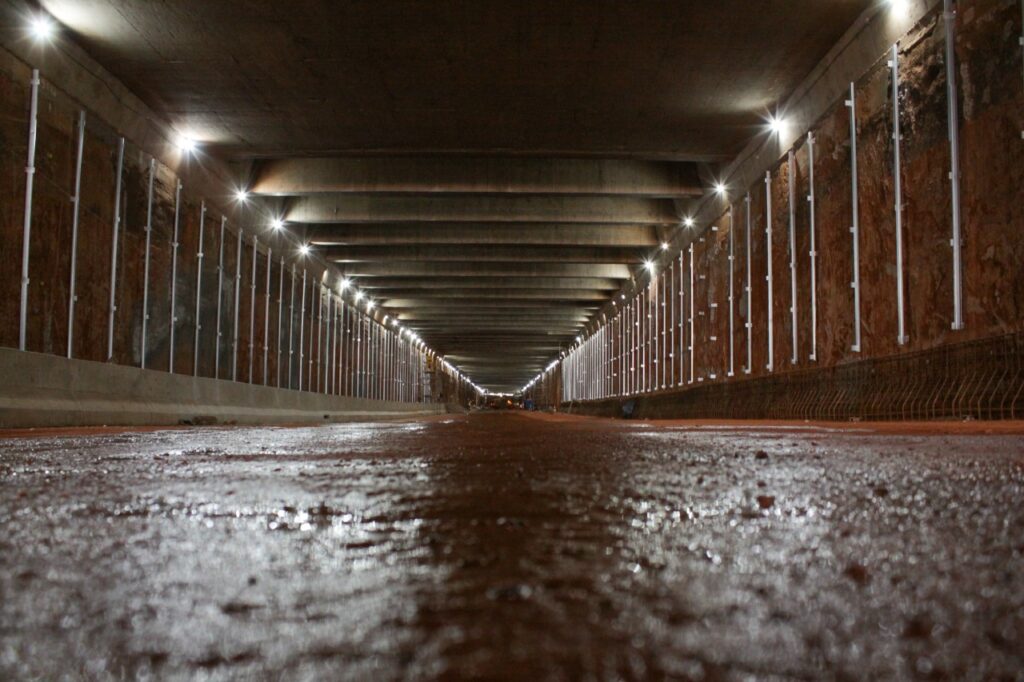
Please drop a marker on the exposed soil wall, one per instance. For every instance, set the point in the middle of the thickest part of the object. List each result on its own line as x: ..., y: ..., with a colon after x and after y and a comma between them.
x: 991, y: 111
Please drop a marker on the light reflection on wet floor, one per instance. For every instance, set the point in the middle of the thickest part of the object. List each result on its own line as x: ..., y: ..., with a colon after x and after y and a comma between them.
x: 500, y: 545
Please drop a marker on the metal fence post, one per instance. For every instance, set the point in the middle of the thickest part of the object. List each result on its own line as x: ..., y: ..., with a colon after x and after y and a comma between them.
x: 174, y: 274
x: 145, y: 267
x: 238, y: 299
x: 26, y: 235
x: 76, y: 202
x: 894, y: 64
x: 949, y: 14
x: 113, y: 250
x: 220, y: 295
x: 768, y: 276
x: 813, y: 253
x: 199, y: 287
x: 855, y: 226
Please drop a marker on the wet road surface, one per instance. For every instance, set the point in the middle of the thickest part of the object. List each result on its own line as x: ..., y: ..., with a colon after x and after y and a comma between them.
x: 506, y: 546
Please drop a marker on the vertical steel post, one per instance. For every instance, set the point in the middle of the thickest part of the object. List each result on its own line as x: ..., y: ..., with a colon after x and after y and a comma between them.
x: 359, y: 355
x: 26, y: 234
x: 768, y: 276
x: 795, y: 357
x: 76, y: 202
x: 750, y: 303
x: 813, y: 253
x: 329, y: 344
x: 894, y: 64
x: 949, y: 13
x: 199, y: 287
x: 237, y: 305
x: 291, y: 329
x: 682, y: 319
x: 318, y: 360
x: 113, y: 250
x: 673, y: 316
x: 145, y: 267
x: 312, y: 316
x: 281, y: 315
x: 693, y: 308
x: 220, y: 295
x: 174, y: 275
x: 266, y: 322
x: 663, y: 360
x: 732, y: 295
x: 855, y: 227
x: 302, y: 328
x: 252, y: 305
x: 345, y: 357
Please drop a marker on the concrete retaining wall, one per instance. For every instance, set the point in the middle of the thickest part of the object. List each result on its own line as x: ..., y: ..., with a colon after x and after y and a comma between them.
x: 43, y: 390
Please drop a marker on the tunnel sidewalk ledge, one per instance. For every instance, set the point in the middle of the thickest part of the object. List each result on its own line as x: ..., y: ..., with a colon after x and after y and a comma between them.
x: 39, y: 390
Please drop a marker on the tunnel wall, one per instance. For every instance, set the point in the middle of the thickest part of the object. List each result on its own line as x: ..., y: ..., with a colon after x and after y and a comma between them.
x: 283, y: 324
x: 991, y: 117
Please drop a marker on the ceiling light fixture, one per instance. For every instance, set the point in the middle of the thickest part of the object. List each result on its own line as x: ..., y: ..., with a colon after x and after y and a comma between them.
x: 664, y: 246
x: 777, y: 124
x: 242, y: 196
x: 304, y: 249
x: 277, y: 224
x: 42, y: 27
x: 688, y: 222
x: 185, y: 144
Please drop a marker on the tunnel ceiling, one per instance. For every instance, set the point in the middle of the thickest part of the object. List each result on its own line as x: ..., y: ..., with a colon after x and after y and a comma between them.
x: 489, y: 172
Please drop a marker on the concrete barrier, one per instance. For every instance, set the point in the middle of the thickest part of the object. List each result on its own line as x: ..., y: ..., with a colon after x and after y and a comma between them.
x: 38, y: 390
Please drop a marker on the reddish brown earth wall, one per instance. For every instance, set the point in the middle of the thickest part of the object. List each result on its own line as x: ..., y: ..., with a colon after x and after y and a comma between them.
x: 991, y: 107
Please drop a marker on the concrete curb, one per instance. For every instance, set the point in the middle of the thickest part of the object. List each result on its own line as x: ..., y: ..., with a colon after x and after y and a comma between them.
x: 38, y: 390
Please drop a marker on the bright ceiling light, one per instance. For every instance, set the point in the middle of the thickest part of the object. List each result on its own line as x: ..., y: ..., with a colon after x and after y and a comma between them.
x: 344, y: 283
x: 304, y: 249
x: 359, y: 295
x: 777, y: 124
x: 649, y: 264
x: 242, y: 196
x: 277, y: 224
x: 664, y: 246
x: 369, y: 305
x: 185, y: 144
x: 688, y: 222
x: 42, y: 27
x: 719, y: 188
x: 899, y: 8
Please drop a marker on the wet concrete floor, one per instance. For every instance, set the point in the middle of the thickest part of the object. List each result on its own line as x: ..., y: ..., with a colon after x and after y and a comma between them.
x: 508, y: 546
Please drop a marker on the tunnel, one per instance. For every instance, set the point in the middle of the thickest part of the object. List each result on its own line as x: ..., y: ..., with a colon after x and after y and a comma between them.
x: 511, y: 340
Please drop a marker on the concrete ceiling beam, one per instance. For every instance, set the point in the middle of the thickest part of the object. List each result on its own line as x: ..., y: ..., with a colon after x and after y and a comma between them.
x: 480, y: 253
x: 376, y: 285
x: 342, y: 208
x: 522, y: 234
x: 476, y: 175
x: 456, y: 270
x: 494, y: 316
x: 404, y: 299
x: 437, y: 306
